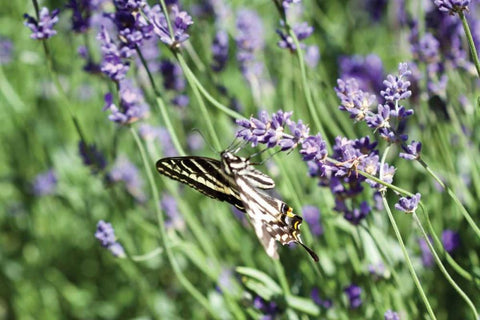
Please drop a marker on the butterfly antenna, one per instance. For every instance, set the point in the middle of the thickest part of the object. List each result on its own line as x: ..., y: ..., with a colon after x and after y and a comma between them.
x: 205, y: 140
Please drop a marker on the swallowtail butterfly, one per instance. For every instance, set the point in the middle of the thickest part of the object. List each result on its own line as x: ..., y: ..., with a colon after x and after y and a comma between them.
x: 234, y: 179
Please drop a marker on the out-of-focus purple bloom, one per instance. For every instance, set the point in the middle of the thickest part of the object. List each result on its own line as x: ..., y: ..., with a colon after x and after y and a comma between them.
x: 356, y: 215
x: 377, y: 270
x: 6, y: 48
x: 92, y: 157
x: 249, y: 40
x: 81, y: 13
x: 353, y: 293
x: 368, y: 71
x: 160, y: 135
x: 43, y: 28
x: 180, y: 100
x: 172, y: 76
x: 412, y: 151
x: 114, y: 63
x: 375, y: 8
x: 312, y: 56
x: 301, y: 31
x: 408, y: 204
x: 174, y: 218
x: 452, y: 6
x: 131, y: 108
x: 220, y: 51
x: 311, y: 215
x: 315, y: 295
x: 45, y: 183
x: 106, y: 235
x: 269, y: 309
x: 286, y: 3
x: 427, y: 257
x: 450, y: 240
x: 391, y: 315
x: 181, y: 21
x: 125, y: 171
x: 427, y: 49
x: 195, y: 141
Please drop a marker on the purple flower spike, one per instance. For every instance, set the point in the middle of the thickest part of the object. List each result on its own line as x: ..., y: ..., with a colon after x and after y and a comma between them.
x: 311, y: 214
x: 314, y: 148
x: 302, y: 31
x: 427, y: 257
x: 106, y: 235
x: 132, y: 107
x: 412, y: 151
x: 220, y: 51
x: 45, y: 183
x: 356, y: 215
x: 452, y: 6
x: 408, y: 204
x: 181, y: 21
x: 450, y: 240
x: 396, y: 86
x: 353, y: 293
x: 43, y: 28
x: 391, y: 315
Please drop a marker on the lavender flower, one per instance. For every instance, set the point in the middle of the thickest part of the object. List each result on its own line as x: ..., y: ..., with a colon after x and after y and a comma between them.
x: 6, y: 48
x: 124, y: 171
x: 159, y: 135
x: 357, y: 214
x: 450, y: 240
x: 181, y: 21
x: 408, y: 204
x: 172, y: 76
x: 174, y: 219
x: 106, y: 235
x: 368, y: 71
x: 43, y: 28
x: 354, y: 100
x: 311, y: 214
x: 412, y: 151
x: 427, y: 257
x: 131, y: 107
x: 220, y: 51
x: 269, y: 309
x: 180, y: 100
x: 92, y: 157
x: 391, y: 315
x: 396, y: 87
x: 301, y: 31
x: 452, y: 6
x: 353, y: 293
x: 325, y: 303
x: 114, y: 63
x: 45, y: 183
x: 81, y: 13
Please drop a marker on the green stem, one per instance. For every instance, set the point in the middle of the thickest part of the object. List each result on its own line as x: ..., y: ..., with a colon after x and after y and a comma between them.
x: 443, y: 270
x: 161, y: 226
x: 452, y: 195
x: 471, y: 44
x: 401, y: 243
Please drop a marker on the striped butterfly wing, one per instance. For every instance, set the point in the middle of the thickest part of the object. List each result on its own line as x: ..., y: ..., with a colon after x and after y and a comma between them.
x: 202, y: 174
x: 273, y: 219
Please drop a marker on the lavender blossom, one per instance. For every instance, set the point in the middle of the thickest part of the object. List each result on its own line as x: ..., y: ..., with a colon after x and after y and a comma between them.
x: 408, y: 204
x: 325, y: 303
x: 159, y: 135
x: 115, y: 64
x: 354, y: 100
x: 450, y: 240
x: 181, y: 21
x: 396, y: 87
x: 6, y: 48
x: 427, y: 257
x: 220, y: 51
x: 368, y: 71
x: 131, y: 107
x: 301, y: 31
x: 45, y: 183
x: 391, y: 315
x: 81, y: 13
x: 126, y: 172
x: 356, y: 215
x: 311, y: 215
x: 353, y: 293
x: 452, y: 6
x: 106, y: 235
x: 173, y: 220
x: 92, y: 157
x: 412, y: 151
x: 43, y: 28
x: 172, y: 76
x: 269, y: 309
x: 312, y: 56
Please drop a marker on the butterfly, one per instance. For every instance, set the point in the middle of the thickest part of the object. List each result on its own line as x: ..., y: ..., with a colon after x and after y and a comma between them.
x: 235, y: 180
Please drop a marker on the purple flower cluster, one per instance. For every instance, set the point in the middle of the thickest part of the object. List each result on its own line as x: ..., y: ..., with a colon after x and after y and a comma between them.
x: 45, y: 183
x: 131, y: 107
x: 391, y: 315
x: 92, y: 157
x: 173, y: 80
x: 43, y: 27
x: 269, y: 309
x: 106, y: 235
x: 427, y: 257
x: 220, y: 51
x: 353, y: 293
x: 180, y: 22
x: 124, y: 171
x: 325, y: 303
x: 311, y: 215
x: 342, y: 177
x: 249, y: 40
x: 115, y: 62
x: 452, y: 6
x: 160, y: 136
x: 82, y: 11
x: 450, y: 240
x: 301, y: 31
x: 367, y: 71
x: 408, y: 204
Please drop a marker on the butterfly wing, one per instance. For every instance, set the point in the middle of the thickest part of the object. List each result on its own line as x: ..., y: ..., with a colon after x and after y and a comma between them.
x: 202, y: 174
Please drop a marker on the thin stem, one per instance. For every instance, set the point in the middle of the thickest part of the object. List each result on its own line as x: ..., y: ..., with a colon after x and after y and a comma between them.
x: 452, y: 194
x: 161, y: 226
x: 471, y: 44
x: 443, y: 270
